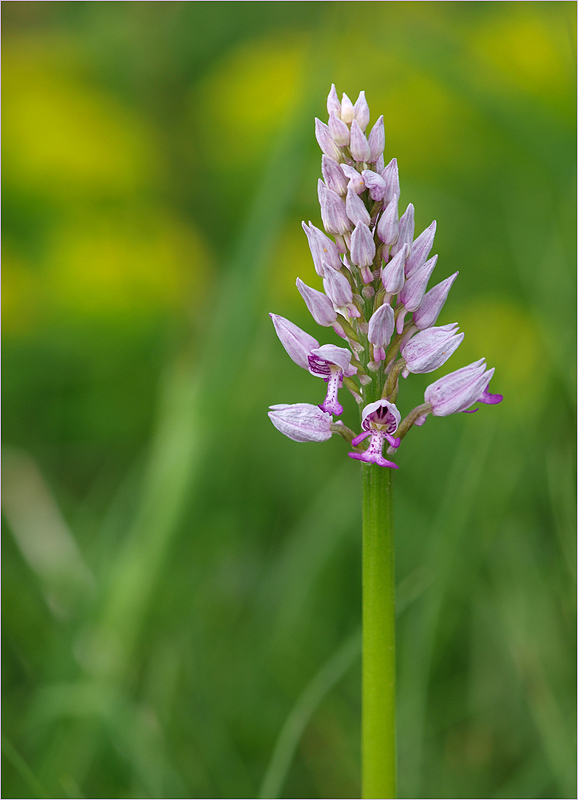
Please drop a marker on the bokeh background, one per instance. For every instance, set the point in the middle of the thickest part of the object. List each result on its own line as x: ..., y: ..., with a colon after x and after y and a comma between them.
x: 181, y: 582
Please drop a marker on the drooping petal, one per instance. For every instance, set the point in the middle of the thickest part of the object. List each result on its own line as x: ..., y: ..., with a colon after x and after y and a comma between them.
x: 296, y: 342
x: 490, y: 399
x: 301, y: 422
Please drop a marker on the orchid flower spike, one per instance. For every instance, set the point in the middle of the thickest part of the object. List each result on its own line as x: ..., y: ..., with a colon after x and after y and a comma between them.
x: 375, y: 296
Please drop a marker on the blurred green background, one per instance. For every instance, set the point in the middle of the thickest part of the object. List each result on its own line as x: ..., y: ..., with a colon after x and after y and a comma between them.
x: 181, y: 582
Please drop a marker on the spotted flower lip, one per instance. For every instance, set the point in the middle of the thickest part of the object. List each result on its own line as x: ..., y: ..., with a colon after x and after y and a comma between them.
x: 301, y: 422
x: 382, y: 414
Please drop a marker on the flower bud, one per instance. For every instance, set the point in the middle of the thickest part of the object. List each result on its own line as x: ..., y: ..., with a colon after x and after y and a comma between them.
x: 374, y: 183
x: 420, y: 249
x: 376, y: 140
x: 381, y: 326
x: 415, y: 286
x: 358, y: 143
x: 347, y: 112
x: 337, y: 288
x: 362, y: 246
x: 319, y: 305
x: 333, y: 104
x: 429, y: 310
x: 356, y: 183
x: 459, y: 390
x: 333, y: 213
x: 301, y: 422
x: 390, y: 176
x: 333, y: 175
x: 355, y: 208
x: 406, y: 226
x: 322, y: 249
x: 431, y: 348
x: 338, y: 130
x: 393, y: 275
x: 361, y: 111
x: 388, y: 225
x: 325, y: 140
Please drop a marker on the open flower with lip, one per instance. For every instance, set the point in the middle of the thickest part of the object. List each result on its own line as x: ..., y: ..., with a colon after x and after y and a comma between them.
x: 329, y: 362
x: 378, y: 420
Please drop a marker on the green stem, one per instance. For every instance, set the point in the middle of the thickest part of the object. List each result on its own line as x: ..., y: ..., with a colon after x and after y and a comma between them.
x: 378, y: 751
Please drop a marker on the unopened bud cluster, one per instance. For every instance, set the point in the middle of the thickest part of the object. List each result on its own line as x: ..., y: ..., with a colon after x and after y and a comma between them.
x: 375, y: 279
